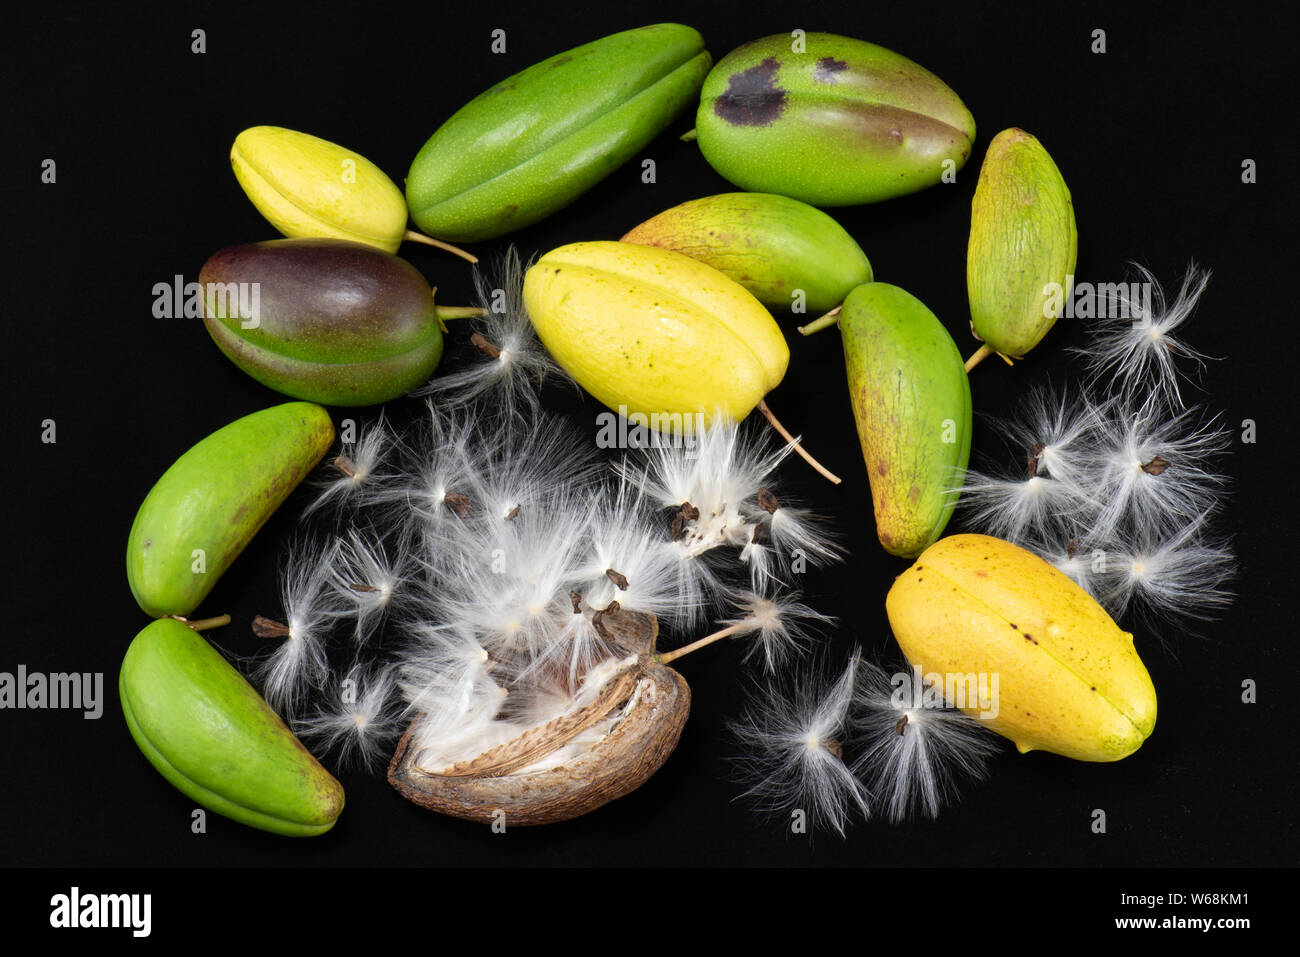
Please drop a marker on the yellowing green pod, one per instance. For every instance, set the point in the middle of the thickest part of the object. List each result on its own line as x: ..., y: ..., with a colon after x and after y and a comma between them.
x: 648, y: 331
x: 783, y: 251
x: 208, y: 732
x: 536, y: 141
x: 306, y: 186
x: 1067, y: 678
x: 830, y: 120
x: 912, y: 405
x: 1023, y: 245
x: 212, y: 501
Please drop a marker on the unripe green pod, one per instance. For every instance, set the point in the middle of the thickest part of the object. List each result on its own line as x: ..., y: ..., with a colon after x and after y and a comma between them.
x: 337, y: 322
x: 307, y: 186
x: 772, y: 245
x: 839, y: 122
x: 1023, y: 245
x: 911, y: 401
x: 536, y: 141
x: 208, y: 732
x: 212, y: 501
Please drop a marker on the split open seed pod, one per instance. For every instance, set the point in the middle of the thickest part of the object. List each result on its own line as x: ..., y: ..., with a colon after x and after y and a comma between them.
x: 573, y: 764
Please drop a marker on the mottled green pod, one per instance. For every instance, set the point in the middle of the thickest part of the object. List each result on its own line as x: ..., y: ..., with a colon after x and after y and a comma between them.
x: 212, y: 501
x: 830, y: 120
x: 208, y: 732
x: 1023, y: 245
x: 911, y: 401
x: 774, y: 246
x: 336, y: 322
x: 538, y: 140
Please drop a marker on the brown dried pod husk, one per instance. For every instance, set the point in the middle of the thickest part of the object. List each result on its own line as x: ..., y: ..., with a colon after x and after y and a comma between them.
x: 655, y: 701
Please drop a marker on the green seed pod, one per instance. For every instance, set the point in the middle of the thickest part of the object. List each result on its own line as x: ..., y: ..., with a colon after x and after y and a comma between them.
x: 837, y: 122
x: 774, y: 246
x: 1023, y: 245
x: 538, y: 140
x: 911, y: 401
x: 208, y: 732
x: 337, y: 322
x: 212, y: 501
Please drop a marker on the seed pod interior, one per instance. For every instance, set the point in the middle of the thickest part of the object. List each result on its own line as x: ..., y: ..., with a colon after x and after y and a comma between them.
x: 636, y: 729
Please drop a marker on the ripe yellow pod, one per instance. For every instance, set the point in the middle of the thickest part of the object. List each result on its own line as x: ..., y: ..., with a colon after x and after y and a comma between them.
x: 650, y: 331
x: 307, y: 186
x: 1068, y: 678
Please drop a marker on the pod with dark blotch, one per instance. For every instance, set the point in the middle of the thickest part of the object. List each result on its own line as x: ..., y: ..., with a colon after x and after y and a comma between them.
x: 1068, y: 679
x: 836, y: 122
x: 539, y: 139
x: 326, y: 320
x: 210, y: 734
x: 210, y: 503
x: 783, y: 251
x: 1023, y: 245
x: 912, y: 405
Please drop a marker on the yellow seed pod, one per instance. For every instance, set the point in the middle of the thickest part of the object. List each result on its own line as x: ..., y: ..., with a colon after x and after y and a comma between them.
x: 1068, y: 678
x: 307, y: 186
x: 652, y: 332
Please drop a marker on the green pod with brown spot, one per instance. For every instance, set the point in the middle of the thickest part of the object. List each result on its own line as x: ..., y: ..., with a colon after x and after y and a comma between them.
x: 832, y: 121
x: 326, y: 320
x: 912, y: 405
x: 783, y: 251
x: 212, y: 736
x: 1023, y: 245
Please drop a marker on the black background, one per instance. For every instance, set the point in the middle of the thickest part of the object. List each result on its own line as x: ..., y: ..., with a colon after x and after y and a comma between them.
x: 1150, y: 136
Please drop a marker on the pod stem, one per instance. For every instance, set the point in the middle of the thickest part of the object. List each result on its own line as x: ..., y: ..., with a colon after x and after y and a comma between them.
x: 688, y: 136
x: 415, y: 237
x: 982, y: 353
x: 785, y: 434
x: 978, y: 356
x: 459, y: 312
x: 699, y: 643
x: 203, y: 624
x: 817, y: 325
